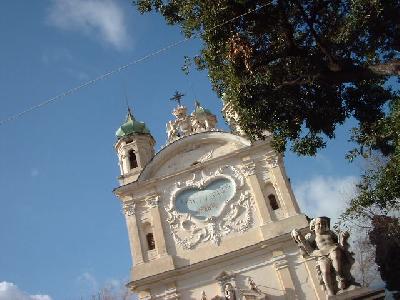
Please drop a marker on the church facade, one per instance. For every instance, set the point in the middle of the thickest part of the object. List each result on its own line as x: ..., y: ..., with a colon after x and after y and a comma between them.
x: 210, y: 215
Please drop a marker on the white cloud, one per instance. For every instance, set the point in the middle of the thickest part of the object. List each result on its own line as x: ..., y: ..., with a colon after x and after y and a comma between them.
x: 111, y: 288
x: 88, y: 283
x: 325, y: 196
x: 103, y: 18
x: 9, y: 291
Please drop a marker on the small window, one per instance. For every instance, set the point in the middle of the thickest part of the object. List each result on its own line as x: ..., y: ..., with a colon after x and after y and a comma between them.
x: 151, y: 245
x: 273, y: 202
x: 132, y: 159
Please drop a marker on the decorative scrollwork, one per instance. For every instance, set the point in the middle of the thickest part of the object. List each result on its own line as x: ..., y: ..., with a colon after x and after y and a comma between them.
x: 234, y: 214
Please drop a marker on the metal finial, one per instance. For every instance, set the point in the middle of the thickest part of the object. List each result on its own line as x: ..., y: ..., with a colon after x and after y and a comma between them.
x: 177, y: 97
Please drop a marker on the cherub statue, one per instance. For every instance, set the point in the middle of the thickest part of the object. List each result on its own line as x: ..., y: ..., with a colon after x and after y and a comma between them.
x: 334, y: 260
x: 172, y: 132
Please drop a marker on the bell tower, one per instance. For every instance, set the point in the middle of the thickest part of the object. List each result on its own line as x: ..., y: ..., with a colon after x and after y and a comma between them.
x: 135, y: 148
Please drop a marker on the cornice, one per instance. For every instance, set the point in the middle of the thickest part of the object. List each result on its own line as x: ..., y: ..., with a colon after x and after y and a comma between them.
x: 174, y: 275
x: 138, y: 186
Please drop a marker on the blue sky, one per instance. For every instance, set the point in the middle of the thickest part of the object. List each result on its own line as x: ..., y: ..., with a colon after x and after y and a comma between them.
x: 62, y: 231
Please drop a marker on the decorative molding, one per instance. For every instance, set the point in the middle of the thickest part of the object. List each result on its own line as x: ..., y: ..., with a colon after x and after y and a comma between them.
x: 206, y: 156
x: 225, y: 277
x: 280, y: 264
x: 235, y: 214
x: 248, y: 168
x: 129, y: 208
x: 152, y: 201
x: 272, y: 161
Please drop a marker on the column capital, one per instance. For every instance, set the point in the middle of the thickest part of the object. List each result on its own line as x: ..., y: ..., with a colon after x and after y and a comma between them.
x: 152, y: 201
x: 129, y: 208
x: 272, y: 161
x: 281, y: 263
x: 248, y: 168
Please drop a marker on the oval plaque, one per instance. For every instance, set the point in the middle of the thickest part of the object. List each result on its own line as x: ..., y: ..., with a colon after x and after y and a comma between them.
x: 207, y: 201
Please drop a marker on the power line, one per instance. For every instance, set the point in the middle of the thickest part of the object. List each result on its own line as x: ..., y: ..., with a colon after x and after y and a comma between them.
x: 90, y: 82
x: 119, y: 69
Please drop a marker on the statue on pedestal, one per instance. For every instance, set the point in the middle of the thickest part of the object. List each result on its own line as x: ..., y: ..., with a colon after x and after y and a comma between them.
x: 200, y: 120
x: 334, y: 260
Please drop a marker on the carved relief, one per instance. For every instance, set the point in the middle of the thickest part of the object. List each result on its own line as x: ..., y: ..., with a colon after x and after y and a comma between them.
x: 199, y: 121
x: 248, y: 169
x: 272, y: 161
x: 206, y: 156
x: 129, y: 208
x: 208, y: 206
x: 152, y: 201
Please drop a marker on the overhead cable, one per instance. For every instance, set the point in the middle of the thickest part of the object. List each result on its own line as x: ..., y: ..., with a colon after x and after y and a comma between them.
x: 119, y: 69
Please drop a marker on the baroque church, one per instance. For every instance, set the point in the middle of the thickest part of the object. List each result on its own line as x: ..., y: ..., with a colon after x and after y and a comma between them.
x: 210, y: 216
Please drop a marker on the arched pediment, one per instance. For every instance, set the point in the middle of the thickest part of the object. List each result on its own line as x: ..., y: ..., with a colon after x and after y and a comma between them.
x: 192, y: 150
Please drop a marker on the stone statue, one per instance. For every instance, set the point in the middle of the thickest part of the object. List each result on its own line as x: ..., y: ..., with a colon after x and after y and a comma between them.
x: 172, y: 132
x: 229, y: 292
x: 200, y: 120
x: 252, y: 285
x: 334, y: 260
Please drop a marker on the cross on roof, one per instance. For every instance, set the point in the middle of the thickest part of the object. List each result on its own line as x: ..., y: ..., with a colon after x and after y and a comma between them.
x: 177, y: 97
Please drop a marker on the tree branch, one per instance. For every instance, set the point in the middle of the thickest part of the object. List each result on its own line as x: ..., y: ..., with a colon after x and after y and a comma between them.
x: 333, y: 65
x: 389, y: 68
x: 350, y: 73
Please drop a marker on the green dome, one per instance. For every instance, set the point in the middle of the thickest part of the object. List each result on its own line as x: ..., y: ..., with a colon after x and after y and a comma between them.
x: 131, y: 126
x: 199, y: 110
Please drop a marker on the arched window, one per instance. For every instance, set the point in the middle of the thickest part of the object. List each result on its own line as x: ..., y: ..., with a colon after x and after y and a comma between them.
x: 132, y: 159
x: 151, y: 244
x: 273, y: 202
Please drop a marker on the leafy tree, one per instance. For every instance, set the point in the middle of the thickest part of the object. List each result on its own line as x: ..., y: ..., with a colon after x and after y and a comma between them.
x: 296, y: 68
x: 379, y: 189
x: 378, y: 199
x: 385, y: 236
x: 299, y: 68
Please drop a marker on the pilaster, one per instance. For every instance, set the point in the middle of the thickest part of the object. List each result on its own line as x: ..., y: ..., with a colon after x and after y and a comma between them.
x: 249, y: 171
x: 283, y: 272
x: 310, y: 264
x: 134, y: 240
x: 153, y: 203
x: 282, y: 184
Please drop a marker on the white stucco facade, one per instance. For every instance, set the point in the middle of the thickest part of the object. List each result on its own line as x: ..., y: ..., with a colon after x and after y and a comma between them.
x: 209, y: 211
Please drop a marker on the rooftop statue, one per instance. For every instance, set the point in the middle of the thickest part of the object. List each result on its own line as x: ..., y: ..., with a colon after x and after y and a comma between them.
x: 200, y: 120
x: 334, y: 260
